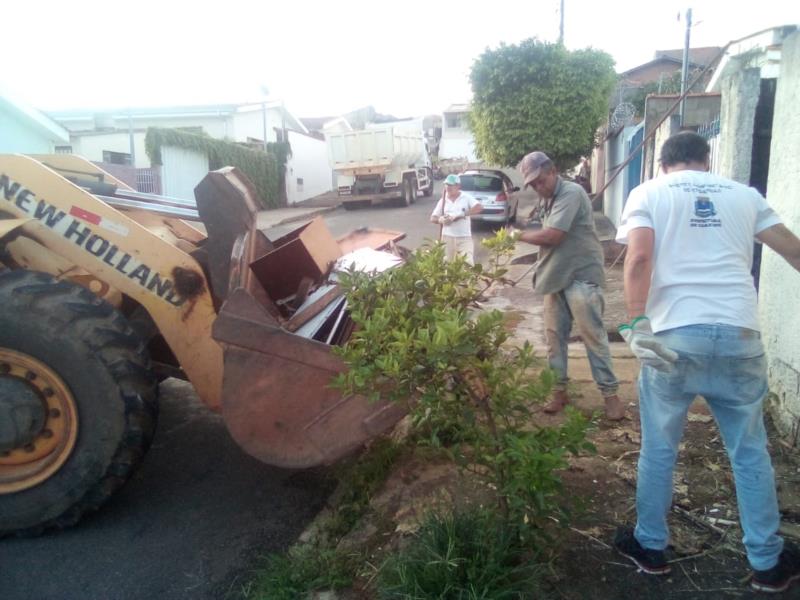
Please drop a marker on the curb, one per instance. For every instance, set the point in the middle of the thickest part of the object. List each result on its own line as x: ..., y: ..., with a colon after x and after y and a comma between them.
x: 307, y: 214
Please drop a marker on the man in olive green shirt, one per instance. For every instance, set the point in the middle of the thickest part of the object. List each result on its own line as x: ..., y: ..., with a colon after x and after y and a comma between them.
x: 570, y: 276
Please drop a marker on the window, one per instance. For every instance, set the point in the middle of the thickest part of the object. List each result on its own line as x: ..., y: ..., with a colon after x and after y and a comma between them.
x: 116, y: 158
x: 454, y: 120
x: 299, y: 184
x: 63, y: 149
x: 481, y: 183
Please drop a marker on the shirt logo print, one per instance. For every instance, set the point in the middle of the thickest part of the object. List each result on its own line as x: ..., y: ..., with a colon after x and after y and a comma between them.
x: 704, y: 207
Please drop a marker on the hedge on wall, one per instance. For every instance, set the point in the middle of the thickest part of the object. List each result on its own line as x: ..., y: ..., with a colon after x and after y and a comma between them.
x: 265, y: 170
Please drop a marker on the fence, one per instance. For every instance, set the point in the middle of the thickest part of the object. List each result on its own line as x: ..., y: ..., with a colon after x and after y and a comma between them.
x: 148, y: 180
x: 710, y: 131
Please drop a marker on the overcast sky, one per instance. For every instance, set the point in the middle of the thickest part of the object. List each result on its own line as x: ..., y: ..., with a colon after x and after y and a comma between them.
x: 406, y: 58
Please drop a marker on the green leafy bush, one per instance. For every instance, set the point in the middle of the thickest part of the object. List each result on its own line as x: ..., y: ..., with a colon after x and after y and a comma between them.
x: 420, y: 338
x: 539, y: 96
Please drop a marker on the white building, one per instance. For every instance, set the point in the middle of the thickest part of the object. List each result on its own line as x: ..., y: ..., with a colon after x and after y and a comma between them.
x: 457, y: 140
x: 118, y: 137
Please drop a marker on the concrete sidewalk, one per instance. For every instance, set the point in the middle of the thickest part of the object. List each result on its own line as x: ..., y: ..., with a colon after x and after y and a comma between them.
x: 281, y: 216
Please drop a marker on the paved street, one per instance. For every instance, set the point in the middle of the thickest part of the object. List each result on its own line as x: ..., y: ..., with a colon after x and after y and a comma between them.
x: 413, y: 220
x: 189, y: 524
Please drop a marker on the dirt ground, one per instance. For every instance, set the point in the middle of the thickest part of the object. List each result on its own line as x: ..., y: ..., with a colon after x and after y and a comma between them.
x: 706, y: 550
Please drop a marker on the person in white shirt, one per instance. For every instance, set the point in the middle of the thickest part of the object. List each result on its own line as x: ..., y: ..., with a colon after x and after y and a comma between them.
x: 452, y: 212
x: 694, y: 327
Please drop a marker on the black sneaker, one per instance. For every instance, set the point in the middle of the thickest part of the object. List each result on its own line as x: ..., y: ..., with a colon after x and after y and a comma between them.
x: 651, y: 562
x: 782, y: 575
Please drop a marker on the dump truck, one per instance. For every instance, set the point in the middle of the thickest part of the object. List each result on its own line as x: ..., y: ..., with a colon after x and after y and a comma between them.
x: 381, y: 164
x: 104, y: 291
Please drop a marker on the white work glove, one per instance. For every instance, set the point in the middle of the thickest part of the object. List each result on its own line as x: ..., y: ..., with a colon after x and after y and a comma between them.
x: 445, y: 220
x: 646, y: 347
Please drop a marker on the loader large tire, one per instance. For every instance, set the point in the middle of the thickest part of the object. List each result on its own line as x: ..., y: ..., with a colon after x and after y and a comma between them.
x: 69, y: 361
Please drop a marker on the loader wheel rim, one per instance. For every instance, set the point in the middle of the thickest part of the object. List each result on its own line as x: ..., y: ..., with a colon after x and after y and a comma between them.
x: 33, y: 462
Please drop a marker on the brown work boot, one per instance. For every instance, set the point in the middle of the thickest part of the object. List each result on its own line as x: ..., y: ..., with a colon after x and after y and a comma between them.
x: 615, y: 409
x: 557, y: 402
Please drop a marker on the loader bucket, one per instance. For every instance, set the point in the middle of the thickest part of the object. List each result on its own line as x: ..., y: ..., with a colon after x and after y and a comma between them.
x: 277, y: 402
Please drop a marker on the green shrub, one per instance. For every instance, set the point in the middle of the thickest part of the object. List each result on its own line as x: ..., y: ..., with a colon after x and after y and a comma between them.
x: 464, y: 556
x: 538, y: 96
x: 419, y: 338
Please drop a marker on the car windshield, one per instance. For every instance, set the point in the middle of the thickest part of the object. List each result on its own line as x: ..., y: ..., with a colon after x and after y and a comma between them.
x: 481, y: 183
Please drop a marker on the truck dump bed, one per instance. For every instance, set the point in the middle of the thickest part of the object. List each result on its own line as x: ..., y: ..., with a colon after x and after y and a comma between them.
x: 374, y: 150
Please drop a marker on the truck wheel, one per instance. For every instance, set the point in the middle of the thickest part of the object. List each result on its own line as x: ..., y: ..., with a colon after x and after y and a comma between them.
x: 428, y: 191
x: 78, y: 402
x: 408, y: 192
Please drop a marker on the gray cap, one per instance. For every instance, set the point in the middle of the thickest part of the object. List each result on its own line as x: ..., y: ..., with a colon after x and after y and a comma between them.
x: 531, y: 165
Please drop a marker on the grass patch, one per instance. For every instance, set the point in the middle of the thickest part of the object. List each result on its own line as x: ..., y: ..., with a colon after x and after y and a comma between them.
x: 358, y: 481
x: 463, y: 556
x: 301, y: 570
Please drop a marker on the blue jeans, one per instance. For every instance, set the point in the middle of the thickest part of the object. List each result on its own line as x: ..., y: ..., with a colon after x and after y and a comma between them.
x: 582, y: 302
x: 726, y: 365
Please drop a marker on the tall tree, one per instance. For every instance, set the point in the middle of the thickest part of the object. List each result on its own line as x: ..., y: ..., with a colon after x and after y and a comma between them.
x: 539, y: 96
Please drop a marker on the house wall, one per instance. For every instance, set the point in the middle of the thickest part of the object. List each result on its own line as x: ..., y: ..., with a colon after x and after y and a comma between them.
x: 309, y: 162
x: 251, y: 124
x: 740, y: 94
x: 18, y: 137
x: 457, y: 142
x: 91, y: 145
x: 779, y: 283
x: 457, y: 147
x: 668, y: 128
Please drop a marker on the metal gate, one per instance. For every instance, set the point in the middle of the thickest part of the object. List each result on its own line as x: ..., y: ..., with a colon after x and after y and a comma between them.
x: 710, y: 131
x: 148, y: 180
x: 634, y: 174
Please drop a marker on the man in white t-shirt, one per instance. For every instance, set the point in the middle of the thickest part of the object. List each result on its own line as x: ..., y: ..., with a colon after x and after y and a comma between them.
x: 690, y: 249
x: 452, y: 212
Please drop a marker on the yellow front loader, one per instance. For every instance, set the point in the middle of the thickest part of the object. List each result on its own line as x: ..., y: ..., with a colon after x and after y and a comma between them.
x: 104, y: 289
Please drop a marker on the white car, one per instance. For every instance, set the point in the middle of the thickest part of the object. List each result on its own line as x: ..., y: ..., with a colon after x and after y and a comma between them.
x: 496, y: 193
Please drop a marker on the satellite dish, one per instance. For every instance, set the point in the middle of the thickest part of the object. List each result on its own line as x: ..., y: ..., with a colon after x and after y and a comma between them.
x: 623, y: 115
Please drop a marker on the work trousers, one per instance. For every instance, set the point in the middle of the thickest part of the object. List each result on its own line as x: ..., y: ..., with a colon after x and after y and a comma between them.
x: 582, y: 303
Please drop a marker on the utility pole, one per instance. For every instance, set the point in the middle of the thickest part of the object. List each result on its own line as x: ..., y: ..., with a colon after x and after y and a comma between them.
x: 130, y: 138
x: 264, y: 92
x: 561, y: 25
x: 685, y: 69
